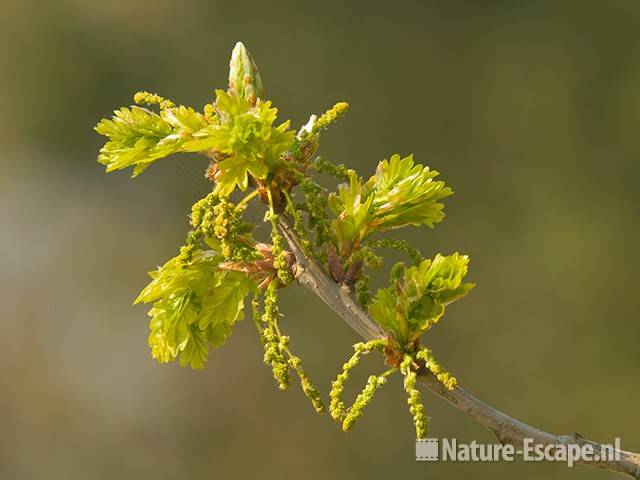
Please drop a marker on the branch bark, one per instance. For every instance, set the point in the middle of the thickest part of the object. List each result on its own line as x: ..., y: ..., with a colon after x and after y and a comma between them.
x: 311, y: 275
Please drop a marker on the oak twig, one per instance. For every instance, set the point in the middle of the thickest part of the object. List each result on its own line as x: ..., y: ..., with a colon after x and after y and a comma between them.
x: 311, y: 275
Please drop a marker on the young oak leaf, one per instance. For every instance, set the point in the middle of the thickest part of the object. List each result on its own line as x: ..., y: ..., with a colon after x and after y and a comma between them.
x: 352, y: 205
x: 194, y: 307
x: 174, y: 276
x: 417, y: 300
x: 400, y: 193
x: 406, y: 194
x: 246, y: 134
x: 138, y: 136
x: 169, y: 326
x: 196, y: 350
x: 224, y: 303
x: 235, y: 171
x: 384, y: 310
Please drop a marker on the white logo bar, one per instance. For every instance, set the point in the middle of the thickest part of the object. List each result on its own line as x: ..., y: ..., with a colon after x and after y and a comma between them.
x: 450, y: 450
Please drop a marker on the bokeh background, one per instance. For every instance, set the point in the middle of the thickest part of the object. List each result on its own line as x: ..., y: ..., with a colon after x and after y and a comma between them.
x: 529, y: 109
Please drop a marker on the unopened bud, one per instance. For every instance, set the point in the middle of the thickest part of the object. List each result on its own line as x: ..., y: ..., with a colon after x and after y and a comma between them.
x: 244, y: 78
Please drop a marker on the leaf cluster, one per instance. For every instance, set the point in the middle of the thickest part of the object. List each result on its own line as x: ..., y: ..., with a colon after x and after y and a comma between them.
x: 416, y: 300
x: 246, y: 137
x: 400, y: 193
x: 240, y: 134
x: 138, y: 136
x: 194, y: 307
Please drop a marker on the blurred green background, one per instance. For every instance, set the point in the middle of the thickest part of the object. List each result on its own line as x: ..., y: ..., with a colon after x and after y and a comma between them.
x: 529, y: 109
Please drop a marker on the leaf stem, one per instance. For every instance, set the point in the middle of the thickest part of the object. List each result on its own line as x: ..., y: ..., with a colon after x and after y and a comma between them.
x: 248, y: 198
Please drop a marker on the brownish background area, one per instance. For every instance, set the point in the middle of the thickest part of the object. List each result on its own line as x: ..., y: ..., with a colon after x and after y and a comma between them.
x: 529, y: 109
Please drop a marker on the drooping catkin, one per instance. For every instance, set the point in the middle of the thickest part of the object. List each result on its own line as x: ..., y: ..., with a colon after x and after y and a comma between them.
x: 274, y: 344
x: 449, y: 381
x: 362, y: 400
x: 276, y: 349
x: 337, y: 408
x: 414, y: 399
x: 308, y: 388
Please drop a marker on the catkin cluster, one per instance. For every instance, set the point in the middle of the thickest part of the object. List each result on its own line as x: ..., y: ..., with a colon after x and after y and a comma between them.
x: 215, y: 217
x: 408, y: 365
x: 337, y: 408
x: 225, y: 223
x: 276, y: 348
